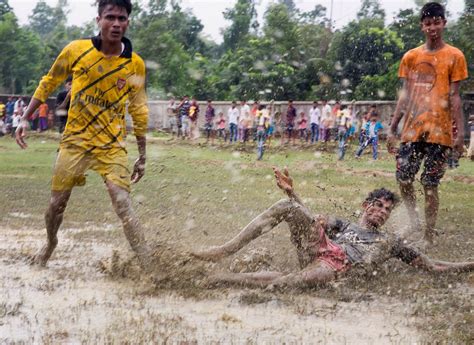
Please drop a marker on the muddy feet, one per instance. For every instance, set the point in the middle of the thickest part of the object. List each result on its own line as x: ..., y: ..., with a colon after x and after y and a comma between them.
x: 43, y: 255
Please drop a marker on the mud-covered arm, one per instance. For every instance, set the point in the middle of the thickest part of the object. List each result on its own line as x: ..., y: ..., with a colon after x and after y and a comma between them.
x: 285, y: 183
x: 138, y: 110
x: 419, y: 260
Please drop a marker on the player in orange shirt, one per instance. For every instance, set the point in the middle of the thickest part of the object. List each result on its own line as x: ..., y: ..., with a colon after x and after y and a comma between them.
x: 429, y: 103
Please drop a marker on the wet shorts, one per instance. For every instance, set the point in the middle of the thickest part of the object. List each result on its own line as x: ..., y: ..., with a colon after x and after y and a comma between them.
x: 72, y: 163
x: 410, y: 157
x: 331, y: 254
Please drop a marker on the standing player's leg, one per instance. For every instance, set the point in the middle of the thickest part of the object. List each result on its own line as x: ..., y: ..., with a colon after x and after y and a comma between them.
x: 53, y: 219
x: 409, y: 159
x: 134, y: 233
x: 434, y: 169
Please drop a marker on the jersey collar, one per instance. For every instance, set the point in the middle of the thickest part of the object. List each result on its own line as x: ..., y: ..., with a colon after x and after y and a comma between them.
x: 127, y: 52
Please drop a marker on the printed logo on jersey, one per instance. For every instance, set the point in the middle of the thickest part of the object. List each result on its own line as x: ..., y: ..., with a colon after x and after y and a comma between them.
x: 121, y: 83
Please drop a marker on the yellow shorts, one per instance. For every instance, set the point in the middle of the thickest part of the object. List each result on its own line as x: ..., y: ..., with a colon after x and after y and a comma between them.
x: 72, y: 163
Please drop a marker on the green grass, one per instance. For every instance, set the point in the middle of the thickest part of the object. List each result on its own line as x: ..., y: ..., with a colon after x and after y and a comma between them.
x: 198, y: 195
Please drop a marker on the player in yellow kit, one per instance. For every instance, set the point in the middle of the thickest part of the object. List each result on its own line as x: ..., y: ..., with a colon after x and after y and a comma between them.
x: 106, y: 74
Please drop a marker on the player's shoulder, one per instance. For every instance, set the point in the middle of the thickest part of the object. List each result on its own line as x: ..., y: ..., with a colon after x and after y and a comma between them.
x: 79, y: 44
x: 413, y: 53
x: 453, y: 51
x: 137, y: 59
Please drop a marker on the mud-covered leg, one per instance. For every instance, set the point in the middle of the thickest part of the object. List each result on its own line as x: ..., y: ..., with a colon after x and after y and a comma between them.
x: 263, y: 223
x: 134, y: 233
x: 53, y: 219
x: 313, y: 275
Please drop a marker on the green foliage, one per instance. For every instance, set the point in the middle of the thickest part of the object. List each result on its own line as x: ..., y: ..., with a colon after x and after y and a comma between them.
x: 292, y: 54
x: 379, y: 87
x: 243, y: 18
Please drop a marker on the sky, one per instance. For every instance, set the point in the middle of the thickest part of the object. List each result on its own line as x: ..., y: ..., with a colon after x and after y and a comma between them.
x: 210, y: 11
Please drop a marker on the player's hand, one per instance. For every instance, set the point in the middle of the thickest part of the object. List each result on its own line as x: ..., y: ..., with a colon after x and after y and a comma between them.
x: 392, y: 144
x: 20, y: 134
x: 138, y: 169
x: 283, y: 180
x: 458, y: 146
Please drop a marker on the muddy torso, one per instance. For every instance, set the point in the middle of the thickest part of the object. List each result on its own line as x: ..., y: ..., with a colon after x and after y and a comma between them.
x: 362, y: 246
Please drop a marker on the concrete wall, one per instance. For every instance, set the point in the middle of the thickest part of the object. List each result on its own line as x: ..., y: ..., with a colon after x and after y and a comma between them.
x: 158, y: 110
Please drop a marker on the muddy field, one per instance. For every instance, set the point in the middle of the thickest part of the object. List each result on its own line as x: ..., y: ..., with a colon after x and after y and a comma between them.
x: 93, y: 292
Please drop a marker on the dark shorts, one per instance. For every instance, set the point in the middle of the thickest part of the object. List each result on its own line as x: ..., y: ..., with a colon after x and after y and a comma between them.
x: 410, y: 157
x: 208, y: 126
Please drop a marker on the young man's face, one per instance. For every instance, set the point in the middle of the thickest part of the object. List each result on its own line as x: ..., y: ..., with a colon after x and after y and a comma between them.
x: 433, y: 27
x: 377, y: 212
x: 68, y: 86
x: 113, y: 23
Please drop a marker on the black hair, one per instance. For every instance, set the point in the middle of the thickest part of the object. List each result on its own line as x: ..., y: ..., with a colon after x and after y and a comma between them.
x: 432, y: 10
x: 68, y: 79
x: 127, y: 4
x: 383, y: 193
x: 209, y: 100
x: 290, y: 101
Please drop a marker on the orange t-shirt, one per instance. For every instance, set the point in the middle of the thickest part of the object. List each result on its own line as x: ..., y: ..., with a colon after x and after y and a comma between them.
x: 43, y: 110
x: 428, y: 76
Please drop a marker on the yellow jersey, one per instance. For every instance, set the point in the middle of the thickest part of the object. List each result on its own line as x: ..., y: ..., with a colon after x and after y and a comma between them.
x: 101, y: 87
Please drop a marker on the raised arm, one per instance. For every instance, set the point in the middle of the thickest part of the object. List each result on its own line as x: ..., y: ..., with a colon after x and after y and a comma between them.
x: 285, y: 183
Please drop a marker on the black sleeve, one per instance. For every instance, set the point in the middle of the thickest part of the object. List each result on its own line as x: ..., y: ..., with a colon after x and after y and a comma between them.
x: 60, y: 97
x: 335, y: 226
x: 403, y: 252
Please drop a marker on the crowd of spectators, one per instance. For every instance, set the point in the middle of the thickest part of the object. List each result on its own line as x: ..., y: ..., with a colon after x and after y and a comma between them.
x: 258, y: 123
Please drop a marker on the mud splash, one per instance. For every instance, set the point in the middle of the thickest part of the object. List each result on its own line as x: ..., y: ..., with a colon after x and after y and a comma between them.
x: 91, y: 293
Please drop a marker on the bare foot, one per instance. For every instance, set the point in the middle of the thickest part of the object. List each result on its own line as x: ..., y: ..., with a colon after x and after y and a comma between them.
x: 210, y: 254
x: 43, y: 255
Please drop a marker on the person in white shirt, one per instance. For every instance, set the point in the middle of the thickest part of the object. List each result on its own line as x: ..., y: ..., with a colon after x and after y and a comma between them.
x: 233, y: 116
x: 325, y: 121
x: 244, y: 122
x: 314, y: 120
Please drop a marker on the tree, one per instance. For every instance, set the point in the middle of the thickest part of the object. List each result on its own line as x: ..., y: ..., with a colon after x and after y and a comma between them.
x: 241, y: 16
x: 371, y: 9
x: 4, y: 8
x: 407, y: 27
x: 363, y: 48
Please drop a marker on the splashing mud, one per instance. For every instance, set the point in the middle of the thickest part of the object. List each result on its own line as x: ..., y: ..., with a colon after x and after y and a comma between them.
x: 93, y: 292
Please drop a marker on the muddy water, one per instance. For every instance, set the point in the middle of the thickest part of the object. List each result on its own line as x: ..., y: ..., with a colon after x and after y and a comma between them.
x: 72, y: 301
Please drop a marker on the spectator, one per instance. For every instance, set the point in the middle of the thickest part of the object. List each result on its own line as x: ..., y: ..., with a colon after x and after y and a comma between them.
x: 263, y: 118
x: 344, y: 124
x: 325, y: 121
x: 470, y: 151
x: 245, y: 122
x: 303, y: 127
x: 315, y: 120
x: 172, y: 112
x: 333, y: 122
x: 290, y: 121
x: 193, y: 117
x: 9, y: 110
x: 43, y: 111
x: 183, y: 109
x: 221, y: 133
x: 233, y: 118
x: 372, y: 130
x: 209, y: 118
x: 15, y: 123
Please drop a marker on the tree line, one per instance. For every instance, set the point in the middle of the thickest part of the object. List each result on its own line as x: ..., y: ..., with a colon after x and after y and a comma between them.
x: 291, y: 54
